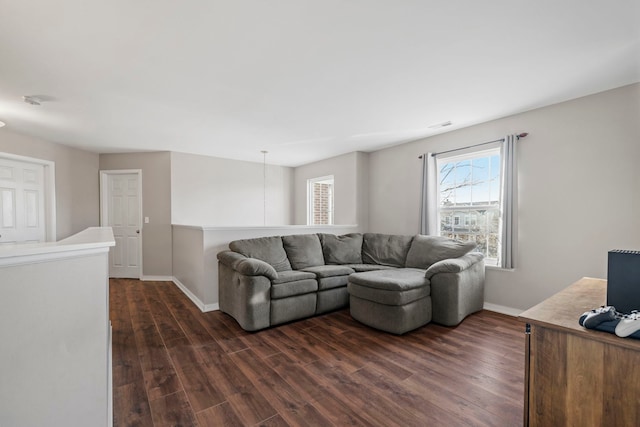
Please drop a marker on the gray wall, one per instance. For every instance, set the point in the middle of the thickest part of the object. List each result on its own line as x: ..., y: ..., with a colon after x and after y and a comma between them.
x: 350, y: 172
x: 213, y: 191
x: 77, y: 179
x: 579, y: 175
x: 156, y: 204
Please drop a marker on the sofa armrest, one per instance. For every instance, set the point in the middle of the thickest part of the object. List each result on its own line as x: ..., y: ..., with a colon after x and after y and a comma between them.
x: 230, y: 258
x: 454, y: 265
x: 246, y: 298
x: 247, y: 266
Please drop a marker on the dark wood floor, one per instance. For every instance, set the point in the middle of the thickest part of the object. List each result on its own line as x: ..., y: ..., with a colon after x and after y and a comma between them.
x: 173, y: 365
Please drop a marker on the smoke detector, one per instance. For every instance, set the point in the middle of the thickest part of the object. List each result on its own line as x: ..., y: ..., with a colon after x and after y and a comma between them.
x: 31, y: 100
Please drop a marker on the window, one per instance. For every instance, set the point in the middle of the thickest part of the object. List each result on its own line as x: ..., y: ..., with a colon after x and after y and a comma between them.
x: 469, y: 190
x: 320, y: 198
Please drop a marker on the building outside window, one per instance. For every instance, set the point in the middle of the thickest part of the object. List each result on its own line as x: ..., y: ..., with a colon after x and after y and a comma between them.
x: 320, y: 201
x: 469, y: 190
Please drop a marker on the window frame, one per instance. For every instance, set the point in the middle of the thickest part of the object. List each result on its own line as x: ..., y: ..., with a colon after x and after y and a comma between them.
x: 311, y: 199
x: 468, y: 216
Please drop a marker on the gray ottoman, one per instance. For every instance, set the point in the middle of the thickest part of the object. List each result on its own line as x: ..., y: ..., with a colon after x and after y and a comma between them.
x: 395, y: 301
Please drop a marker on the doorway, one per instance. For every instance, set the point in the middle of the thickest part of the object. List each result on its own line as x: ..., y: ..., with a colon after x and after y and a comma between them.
x: 121, y: 209
x: 27, y: 200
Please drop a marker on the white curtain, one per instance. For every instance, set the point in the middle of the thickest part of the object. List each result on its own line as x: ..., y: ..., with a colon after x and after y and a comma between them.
x: 508, y: 200
x: 429, y: 195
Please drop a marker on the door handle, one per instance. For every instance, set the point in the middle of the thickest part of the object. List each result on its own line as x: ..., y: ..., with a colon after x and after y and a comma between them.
x: 138, y: 231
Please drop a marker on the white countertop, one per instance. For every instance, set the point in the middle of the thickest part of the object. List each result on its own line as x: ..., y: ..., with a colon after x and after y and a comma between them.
x: 90, y: 240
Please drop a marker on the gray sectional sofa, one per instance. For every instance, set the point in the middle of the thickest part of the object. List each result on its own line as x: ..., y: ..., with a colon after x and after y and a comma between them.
x: 392, y: 282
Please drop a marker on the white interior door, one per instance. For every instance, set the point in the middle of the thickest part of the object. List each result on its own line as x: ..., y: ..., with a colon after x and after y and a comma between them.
x: 22, y: 202
x: 122, y: 211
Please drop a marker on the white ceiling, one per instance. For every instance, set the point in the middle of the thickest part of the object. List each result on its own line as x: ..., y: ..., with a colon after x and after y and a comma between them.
x: 305, y: 80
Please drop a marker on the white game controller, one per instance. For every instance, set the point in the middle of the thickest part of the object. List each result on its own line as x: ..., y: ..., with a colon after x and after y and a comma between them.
x: 629, y: 324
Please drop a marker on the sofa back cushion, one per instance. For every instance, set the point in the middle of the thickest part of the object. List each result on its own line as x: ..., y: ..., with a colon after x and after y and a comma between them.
x: 427, y: 250
x: 267, y: 249
x: 303, y: 250
x: 345, y: 249
x: 385, y: 249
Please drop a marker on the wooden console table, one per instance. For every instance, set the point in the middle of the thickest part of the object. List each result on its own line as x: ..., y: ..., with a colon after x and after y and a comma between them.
x: 575, y: 376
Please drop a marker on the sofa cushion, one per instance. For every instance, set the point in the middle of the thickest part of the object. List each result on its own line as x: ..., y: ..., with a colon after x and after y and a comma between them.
x: 390, y: 280
x: 329, y: 270
x: 267, y: 249
x: 368, y: 267
x: 385, y: 249
x: 345, y: 249
x: 303, y: 250
x: 389, y: 297
x: 289, y: 289
x: 292, y: 276
x: 427, y: 250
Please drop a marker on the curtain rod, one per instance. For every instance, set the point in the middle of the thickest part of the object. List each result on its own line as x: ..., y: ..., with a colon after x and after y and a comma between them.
x: 520, y: 135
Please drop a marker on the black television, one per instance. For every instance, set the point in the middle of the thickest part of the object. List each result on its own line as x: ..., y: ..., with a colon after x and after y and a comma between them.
x: 623, y: 280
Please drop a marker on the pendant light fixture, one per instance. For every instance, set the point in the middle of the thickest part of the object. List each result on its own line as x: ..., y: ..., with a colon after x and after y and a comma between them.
x: 264, y: 187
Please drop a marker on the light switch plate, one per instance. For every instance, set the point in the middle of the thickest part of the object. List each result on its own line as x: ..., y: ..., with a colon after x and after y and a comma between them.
x: 146, y: 220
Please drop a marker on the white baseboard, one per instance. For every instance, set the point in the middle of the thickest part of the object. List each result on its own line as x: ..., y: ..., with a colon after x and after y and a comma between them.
x: 157, y: 278
x: 211, y: 307
x: 202, y: 306
x: 502, y: 309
